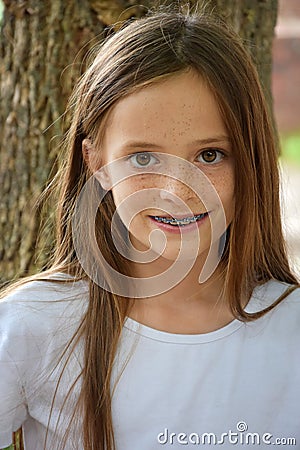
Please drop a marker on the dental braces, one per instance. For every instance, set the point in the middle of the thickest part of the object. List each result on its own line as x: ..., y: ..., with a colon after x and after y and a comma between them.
x: 184, y: 221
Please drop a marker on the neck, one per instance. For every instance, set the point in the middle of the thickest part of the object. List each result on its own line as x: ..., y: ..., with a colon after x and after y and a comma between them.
x: 188, y: 307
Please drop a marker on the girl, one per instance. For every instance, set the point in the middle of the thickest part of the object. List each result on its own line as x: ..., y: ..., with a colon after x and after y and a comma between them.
x: 170, y: 162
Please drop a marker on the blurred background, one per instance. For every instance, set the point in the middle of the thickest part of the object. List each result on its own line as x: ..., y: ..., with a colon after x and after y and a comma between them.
x: 286, y: 97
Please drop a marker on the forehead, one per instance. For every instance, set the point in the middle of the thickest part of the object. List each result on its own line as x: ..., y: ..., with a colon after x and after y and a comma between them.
x: 178, y: 109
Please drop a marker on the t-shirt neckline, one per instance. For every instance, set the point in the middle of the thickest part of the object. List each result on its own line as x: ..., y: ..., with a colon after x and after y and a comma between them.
x: 177, y: 338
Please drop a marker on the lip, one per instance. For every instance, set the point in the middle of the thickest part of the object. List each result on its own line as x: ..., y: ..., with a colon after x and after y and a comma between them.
x: 179, y: 229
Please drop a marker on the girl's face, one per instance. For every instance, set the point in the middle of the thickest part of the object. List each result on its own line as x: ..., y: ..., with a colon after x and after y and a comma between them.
x: 175, y: 118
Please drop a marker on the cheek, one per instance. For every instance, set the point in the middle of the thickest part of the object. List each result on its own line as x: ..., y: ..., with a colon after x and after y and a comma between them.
x: 224, y: 185
x: 127, y: 192
x: 120, y: 193
x: 130, y: 202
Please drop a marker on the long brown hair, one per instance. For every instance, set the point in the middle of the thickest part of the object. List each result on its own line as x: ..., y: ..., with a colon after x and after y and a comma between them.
x: 142, y: 52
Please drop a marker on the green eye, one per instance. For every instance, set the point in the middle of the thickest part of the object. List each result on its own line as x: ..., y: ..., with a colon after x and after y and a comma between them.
x: 143, y: 159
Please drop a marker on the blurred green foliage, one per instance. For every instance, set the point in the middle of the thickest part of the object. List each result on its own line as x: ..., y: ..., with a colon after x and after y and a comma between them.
x: 13, y: 447
x: 290, y: 146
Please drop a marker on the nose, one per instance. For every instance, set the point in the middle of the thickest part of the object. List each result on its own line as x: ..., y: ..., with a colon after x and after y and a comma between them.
x: 176, y: 192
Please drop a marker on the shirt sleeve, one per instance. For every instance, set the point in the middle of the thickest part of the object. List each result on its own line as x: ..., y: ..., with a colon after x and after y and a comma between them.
x: 37, y: 321
x: 13, y: 409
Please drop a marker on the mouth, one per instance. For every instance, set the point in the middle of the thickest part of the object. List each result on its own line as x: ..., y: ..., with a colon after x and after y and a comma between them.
x: 180, y: 221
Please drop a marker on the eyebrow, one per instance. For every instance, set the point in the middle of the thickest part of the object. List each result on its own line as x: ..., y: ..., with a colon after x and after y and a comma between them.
x: 142, y: 144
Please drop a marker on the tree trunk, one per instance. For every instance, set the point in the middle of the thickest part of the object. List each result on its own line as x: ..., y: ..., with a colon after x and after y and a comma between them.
x: 42, y: 50
x: 255, y: 21
x: 39, y: 44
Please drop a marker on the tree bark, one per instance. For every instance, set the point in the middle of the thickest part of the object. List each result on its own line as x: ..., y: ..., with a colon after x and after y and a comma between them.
x: 42, y: 53
x: 255, y: 21
x: 40, y: 42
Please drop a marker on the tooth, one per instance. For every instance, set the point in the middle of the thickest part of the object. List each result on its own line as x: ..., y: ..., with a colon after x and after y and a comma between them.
x: 179, y: 222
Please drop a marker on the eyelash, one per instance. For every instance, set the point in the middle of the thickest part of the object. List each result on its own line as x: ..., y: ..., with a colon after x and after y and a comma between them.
x: 130, y: 158
x: 212, y: 149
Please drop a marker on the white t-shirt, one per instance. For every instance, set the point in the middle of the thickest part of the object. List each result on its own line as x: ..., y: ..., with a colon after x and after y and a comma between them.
x: 237, y: 387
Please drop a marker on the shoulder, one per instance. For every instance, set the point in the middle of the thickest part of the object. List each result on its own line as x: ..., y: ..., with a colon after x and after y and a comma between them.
x: 285, y: 316
x: 37, y: 320
x: 40, y: 309
x: 50, y: 291
x: 269, y: 292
